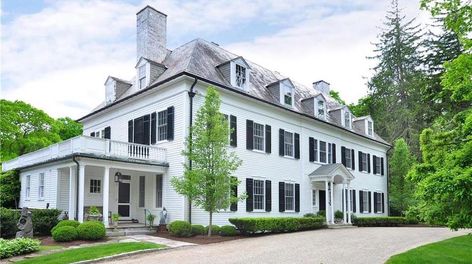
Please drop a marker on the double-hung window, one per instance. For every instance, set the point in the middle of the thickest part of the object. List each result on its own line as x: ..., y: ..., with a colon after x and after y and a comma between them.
x: 378, y: 202
x: 378, y: 165
x: 162, y: 125
x: 321, y: 109
x: 348, y: 154
x: 240, y: 76
x: 330, y: 153
x: 159, y: 191
x: 322, y: 152
x: 364, y: 163
x: 287, y: 95
x: 95, y: 186
x: 288, y: 144
x: 142, y: 76
x: 370, y: 128
x: 258, y: 194
x: 347, y: 119
x: 365, y: 201
x: 41, y: 186
x: 258, y: 136
x: 289, y: 197
x: 28, y: 187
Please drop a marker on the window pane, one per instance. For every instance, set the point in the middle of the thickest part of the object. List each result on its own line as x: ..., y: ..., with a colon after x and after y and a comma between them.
x: 288, y: 144
x: 258, y: 194
x: 348, y: 158
x: 162, y: 125
x: 258, y: 136
x: 323, y: 151
x: 330, y: 153
x: 289, y: 197
x: 347, y: 119
x: 240, y: 76
x: 321, y: 109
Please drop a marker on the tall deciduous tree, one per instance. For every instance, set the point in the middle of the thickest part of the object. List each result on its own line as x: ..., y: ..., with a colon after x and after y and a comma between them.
x: 208, y: 182
x: 400, y: 189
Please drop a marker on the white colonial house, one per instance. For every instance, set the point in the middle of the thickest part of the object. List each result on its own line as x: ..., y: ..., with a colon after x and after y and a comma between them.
x: 302, y: 151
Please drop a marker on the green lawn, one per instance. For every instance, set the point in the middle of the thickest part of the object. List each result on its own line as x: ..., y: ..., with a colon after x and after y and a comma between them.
x: 453, y: 250
x: 91, y: 252
x: 47, y: 248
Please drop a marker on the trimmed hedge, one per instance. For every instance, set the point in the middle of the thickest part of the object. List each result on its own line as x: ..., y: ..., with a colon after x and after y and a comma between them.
x: 65, y: 234
x: 72, y: 223
x: 382, y: 221
x: 180, y: 228
x: 228, y: 230
x: 91, y: 230
x: 17, y: 246
x: 43, y: 221
x: 215, y: 230
x: 198, y: 230
x: 252, y: 225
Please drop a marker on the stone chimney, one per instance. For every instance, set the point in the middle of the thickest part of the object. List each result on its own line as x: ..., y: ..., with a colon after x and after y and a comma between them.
x: 321, y: 86
x: 151, y: 34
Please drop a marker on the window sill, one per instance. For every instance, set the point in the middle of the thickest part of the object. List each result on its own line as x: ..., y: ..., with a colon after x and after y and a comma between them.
x: 258, y: 211
x: 319, y: 162
x: 162, y: 141
x: 259, y: 151
x: 364, y: 172
x: 288, y: 157
x: 289, y: 211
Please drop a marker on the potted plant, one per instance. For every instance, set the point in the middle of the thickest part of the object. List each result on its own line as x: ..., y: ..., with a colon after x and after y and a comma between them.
x: 115, y: 218
x: 338, y: 216
x: 150, y: 219
x: 94, y: 213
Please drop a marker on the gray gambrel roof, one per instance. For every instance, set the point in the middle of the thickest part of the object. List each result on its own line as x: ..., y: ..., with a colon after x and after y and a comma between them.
x: 202, y: 58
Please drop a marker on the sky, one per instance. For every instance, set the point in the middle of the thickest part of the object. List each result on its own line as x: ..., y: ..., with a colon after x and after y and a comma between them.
x: 57, y: 54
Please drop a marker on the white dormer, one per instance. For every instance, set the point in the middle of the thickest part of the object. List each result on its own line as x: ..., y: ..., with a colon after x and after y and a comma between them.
x: 320, y: 107
x: 236, y: 72
x: 365, y: 124
x: 346, y: 118
x: 115, y: 88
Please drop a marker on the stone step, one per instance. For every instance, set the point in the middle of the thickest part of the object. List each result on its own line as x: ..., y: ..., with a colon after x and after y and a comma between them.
x: 339, y: 226
x: 130, y: 232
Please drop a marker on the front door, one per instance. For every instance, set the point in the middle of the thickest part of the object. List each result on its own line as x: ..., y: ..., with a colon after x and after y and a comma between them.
x: 124, y: 199
x: 322, y: 200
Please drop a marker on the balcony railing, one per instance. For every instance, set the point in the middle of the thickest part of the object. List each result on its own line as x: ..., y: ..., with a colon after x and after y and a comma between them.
x: 89, y: 145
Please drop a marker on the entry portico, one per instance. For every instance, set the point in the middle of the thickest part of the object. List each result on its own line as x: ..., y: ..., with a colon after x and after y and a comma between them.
x: 333, y: 175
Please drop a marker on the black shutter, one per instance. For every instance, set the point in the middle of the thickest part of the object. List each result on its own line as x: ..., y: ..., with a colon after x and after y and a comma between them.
x: 249, y: 193
x: 374, y: 163
x: 107, y: 133
x: 361, y: 200
x: 370, y: 202
x: 233, y: 139
x: 368, y: 163
x: 382, y: 166
x: 281, y: 196
x: 268, y: 139
x: 333, y: 151
x: 281, y: 142
x: 383, y: 203
x: 130, y: 131
x: 234, y: 193
x: 375, y: 202
x: 353, y: 159
x: 360, y: 161
x: 170, y: 123
x: 297, y: 146
x: 353, y: 197
x: 146, y: 129
x: 249, y: 134
x: 153, y: 128
x: 343, y: 156
x: 311, y: 149
x: 297, y: 197
x: 92, y: 134
x: 268, y: 196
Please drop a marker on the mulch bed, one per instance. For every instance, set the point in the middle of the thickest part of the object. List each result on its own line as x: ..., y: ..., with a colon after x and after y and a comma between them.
x: 48, y: 241
x: 200, y: 240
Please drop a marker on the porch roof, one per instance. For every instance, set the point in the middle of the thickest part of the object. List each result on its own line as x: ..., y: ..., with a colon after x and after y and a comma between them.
x: 336, y: 173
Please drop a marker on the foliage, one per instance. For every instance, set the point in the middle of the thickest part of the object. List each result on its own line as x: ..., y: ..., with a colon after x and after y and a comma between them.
x: 65, y: 234
x: 207, y: 182
x: 68, y: 128
x: 8, y: 220
x: 198, y: 230
x: 93, y: 210
x: 321, y: 213
x: 382, y: 221
x: 400, y: 189
x: 10, y: 188
x: 115, y: 217
x: 453, y: 250
x: 150, y: 218
x: 91, y: 230
x: 180, y: 228
x: 89, y: 253
x: 228, y: 230
x: 62, y: 223
x: 338, y: 215
x: 309, y: 215
x: 363, y: 107
x: 252, y: 225
x: 215, y: 230
x: 335, y: 95
x: 44, y: 220
x: 17, y: 246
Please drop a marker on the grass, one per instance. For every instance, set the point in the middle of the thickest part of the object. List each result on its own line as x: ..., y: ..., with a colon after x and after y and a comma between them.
x: 453, y: 250
x: 91, y: 252
x: 47, y: 248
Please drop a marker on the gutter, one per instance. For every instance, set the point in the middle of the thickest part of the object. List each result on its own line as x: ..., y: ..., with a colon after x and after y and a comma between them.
x: 77, y: 171
x: 191, y: 95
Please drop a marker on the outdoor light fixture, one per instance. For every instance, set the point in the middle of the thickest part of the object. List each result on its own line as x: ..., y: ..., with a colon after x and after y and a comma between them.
x: 117, y: 176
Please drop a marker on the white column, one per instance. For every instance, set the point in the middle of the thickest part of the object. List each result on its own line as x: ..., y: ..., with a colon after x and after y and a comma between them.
x: 326, y: 202
x: 71, y: 192
x: 349, y: 203
x: 332, y: 202
x: 81, y: 193
x: 106, y: 194
x: 344, y: 204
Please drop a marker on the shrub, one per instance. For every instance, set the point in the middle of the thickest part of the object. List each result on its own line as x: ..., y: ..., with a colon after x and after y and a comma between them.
x: 43, y: 221
x: 309, y: 215
x: 198, y: 230
x: 72, y: 223
x: 228, y: 230
x: 180, y: 228
x: 321, y: 213
x: 215, y: 230
x: 91, y: 230
x: 65, y: 234
x: 338, y: 215
x: 17, y: 246
x: 8, y: 220
x: 381, y: 221
x: 254, y: 225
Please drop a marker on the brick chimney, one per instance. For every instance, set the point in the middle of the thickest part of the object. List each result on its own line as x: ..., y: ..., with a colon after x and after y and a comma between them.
x: 151, y: 34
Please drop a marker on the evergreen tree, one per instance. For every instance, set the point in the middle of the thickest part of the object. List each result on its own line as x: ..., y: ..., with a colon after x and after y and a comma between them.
x: 400, y: 189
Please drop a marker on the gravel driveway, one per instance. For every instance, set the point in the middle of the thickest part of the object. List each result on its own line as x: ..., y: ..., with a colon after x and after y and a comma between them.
x: 353, y: 245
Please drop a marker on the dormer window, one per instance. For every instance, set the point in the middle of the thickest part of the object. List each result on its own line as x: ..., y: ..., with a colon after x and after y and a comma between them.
x: 347, y: 119
x: 321, y: 109
x: 142, y: 76
x: 287, y: 94
x: 240, y: 76
x: 370, y: 128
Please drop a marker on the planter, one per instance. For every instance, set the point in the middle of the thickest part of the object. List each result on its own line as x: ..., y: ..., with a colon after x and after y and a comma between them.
x: 94, y: 217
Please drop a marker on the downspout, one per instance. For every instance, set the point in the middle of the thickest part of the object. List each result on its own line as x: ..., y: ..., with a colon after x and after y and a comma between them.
x: 77, y: 171
x: 191, y: 95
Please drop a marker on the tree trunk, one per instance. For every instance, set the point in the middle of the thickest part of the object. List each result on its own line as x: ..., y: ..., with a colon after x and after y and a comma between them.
x: 209, y: 227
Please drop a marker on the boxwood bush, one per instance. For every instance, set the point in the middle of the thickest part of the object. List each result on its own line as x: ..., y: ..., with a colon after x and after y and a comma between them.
x: 198, y: 230
x: 65, y: 234
x: 252, y: 225
x: 17, y: 246
x: 91, y: 230
x: 215, y: 230
x: 8, y: 220
x: 228, y: 230
x: 72, y: 223
x: 180, y: 228
x: 382, y: 221
x: 43, y: 221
